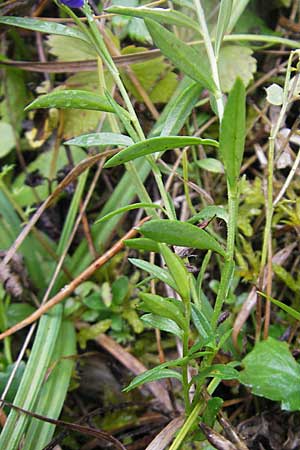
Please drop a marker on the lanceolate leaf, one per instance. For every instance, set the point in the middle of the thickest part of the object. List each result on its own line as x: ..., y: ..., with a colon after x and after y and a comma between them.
x: 143, y: 244
x: 165, y: 307
x: 151, y: 375
x: 291, y: 311
x: 232, y: 136
x: 42, y: 26
x: 184, y: 57
x: 155, y: 271
x: 223, y: 21
x: 174, y: 232
x: 94, y: 139
x: 156, y: 144
x: 161, y: 15
x: 178, y: 272
x: 68, y: 99
x: 162, y: 323
x: 128, y: 208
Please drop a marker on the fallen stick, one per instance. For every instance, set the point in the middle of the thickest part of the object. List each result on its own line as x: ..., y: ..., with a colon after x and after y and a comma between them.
x: 69, y: 288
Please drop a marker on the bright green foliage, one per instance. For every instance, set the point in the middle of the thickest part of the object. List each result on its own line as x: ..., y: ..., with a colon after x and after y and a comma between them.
x: 184, y: 234
x: 272, y: 372
x: 232, y: 135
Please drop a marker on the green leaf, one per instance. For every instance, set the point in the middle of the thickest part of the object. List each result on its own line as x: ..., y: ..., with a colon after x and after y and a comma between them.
x: 66, y: 48
x: 165, y: 307
x: 244, y: 65
x: 232, y: 135
x: 4, y: 377
x: 156, y: 144
x: 223, y: 22
x: 174, y: 232
x: 178, y: 109
x: 66, y: 99
x: 43, y: 26
x: 152, y: 375
x: 128, y: 208
x: 283, y: 306
x: 209, y: 212
x: 163, y: 324
x: 202, y: 324
x: 222, y: 371
x: 17, y: 312
x: 92, y: 332
x: 160, y: 15
x: 211, y: 164
x: 143, y: 244
x: 182, y: 56
x: 156, y: 271
x: 178, y: 272
x: 94, y: 139
x: 272, y: 372
x: 8, y: 140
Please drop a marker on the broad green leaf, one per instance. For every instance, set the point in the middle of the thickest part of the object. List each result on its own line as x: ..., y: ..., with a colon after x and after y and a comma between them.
x: 223, y: 21
x: 17, y: 312
x: 163, y: 324
x: 174, y: 232
x: 152, y: 375
x: 156, y: 271
x: 272, y: 372
x: 178, y: 272
x: 275, y: 94
x: 244, y: 65
x: 42, y: 26
x: 182, y: 56
x: 156, y: 144
x: 8, y: 140
x: 214, y: 405
x: 128, y: 208
x: 165, y: 307
x: 69, y: 98
x: 283, y: 306
x: 66, y: 48
x: 209, y: 212
x: 211, y: 165
x: 160, y: 15
x: 143, y: 244
x: 232, y: 135
x: 94, y: 139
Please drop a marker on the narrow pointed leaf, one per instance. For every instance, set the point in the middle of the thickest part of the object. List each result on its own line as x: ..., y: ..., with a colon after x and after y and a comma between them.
x: 156, y: 271
x: 174, y: 232
x: 162, y: 323
x: 223, y: 22
x: 178, y: 272
x: 161, y: 15
x: 68, y: 99
x: 187, y: 59
x: 233, y: 130
x: 152, y: 375
x: 165, y: 307
x: 94, y: 139
x: 156, y: 144
x: 128, y: 208
x: 143, y: 244
x: 291, y: 311
x: 42, y: 26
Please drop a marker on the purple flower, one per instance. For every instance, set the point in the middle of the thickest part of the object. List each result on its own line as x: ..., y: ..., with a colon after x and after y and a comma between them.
x: 73, y: 3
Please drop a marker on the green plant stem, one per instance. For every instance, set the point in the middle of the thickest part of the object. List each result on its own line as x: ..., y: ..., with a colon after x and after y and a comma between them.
x: 103, y: 52
x: 185, y: 350
x: 186, y: 426
x: 233, y: 201
x: 211, y: 57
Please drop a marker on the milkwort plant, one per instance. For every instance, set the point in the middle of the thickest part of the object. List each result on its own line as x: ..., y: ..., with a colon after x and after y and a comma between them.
x: 186, y: 312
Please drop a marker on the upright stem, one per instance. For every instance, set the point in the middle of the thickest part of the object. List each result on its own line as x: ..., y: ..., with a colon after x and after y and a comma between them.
x: 211, y: 57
